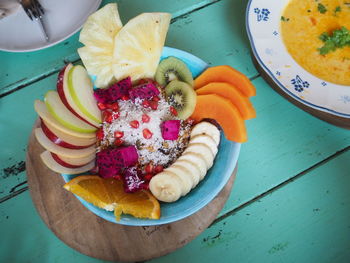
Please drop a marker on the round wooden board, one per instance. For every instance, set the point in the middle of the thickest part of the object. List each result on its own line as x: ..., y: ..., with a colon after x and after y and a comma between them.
x: 91, y: 235
x: 330, y: 118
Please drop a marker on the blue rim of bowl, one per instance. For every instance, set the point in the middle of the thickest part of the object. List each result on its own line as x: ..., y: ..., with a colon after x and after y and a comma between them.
x: 271, y: 75
x: 234, y: 151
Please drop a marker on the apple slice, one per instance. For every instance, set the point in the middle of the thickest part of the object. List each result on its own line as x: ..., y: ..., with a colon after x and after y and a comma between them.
x: 62, y: 81
x: 80, y: 95
x: 48, y: 160
x: 77, y: 161
x: 72, y: 153
x: 64, y: 116
x: 65, y: 140
x: 63, y: 163
x: 44, y: 114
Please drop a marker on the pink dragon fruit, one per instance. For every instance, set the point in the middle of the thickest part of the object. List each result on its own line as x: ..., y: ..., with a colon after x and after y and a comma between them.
x: 132, y: 180
x: 114, y: 92
x: 144, y: 91
x: 170, y: 129
x: 110, y: 162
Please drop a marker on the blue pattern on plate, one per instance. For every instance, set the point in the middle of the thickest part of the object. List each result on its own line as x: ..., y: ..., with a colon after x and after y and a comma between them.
x: 345, y: 99
x: 299, y: 84
x: 205, y: 191
x: 262, y: 14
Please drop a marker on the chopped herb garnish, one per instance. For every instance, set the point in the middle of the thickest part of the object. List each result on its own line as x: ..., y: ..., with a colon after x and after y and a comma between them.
x: 284, y: 19
x: 338, y: 39
x: 321, y: 8
x: 337, y: 10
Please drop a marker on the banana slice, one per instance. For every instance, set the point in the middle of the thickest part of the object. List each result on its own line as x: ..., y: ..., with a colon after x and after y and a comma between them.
x: 197, y: 160
x: 208, y: 129
x: 191, y: 169
x: 207, y: 140
x: 204, y: 151
x: 166, y: 186
x: 183, y: 174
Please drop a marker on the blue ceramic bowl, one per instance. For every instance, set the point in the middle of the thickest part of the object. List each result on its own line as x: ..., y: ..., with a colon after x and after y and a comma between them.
x: 205, y: 191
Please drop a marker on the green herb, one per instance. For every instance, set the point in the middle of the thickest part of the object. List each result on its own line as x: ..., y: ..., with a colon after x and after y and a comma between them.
x: 337, y: 10
x: 321, y: 8
x: 340, y: 38
x: 284, y: 19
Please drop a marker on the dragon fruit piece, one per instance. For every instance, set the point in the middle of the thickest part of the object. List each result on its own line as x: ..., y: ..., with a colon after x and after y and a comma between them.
x: 132, y: 181
x: 127, y: 156
x: 170, y: 129
x: 102, y: 95
x: 119, y: 89
x: 107, y: 163
x: 144, y: 91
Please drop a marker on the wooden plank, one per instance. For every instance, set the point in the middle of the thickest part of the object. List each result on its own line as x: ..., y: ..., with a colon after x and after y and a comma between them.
x: 305, y: 221
x: 14, y: 67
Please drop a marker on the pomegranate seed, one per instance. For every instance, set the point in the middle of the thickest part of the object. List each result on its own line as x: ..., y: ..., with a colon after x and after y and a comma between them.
x: 118, y: 142
x: 156, y: 98
x: 173, y: 111
x: 134, y: 124
x: 149, y: 168
x: 145, y: 103
x: 153, y: 104
x: 117, y: 176
x: 145, y: 118
x: 158, y: 168
x: 106, y: 115
x: 114, y: 106
x: 125, y: 97
x: 148, y: 177
x: 118, y: 134
x: 101, y: 106
x: 147, y: 134
x: 100, y: 134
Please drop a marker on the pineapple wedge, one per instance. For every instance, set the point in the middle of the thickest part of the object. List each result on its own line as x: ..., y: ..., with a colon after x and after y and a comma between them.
x: 98, y: 35
x: 138, y: 46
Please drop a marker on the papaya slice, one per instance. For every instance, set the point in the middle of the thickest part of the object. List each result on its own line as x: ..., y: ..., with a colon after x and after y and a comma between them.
x: 226, y: 74
x: 224, y: 112
x: 230, y: 92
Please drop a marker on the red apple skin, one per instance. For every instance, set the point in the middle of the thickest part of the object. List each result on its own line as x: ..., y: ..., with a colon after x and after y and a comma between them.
x: 63, y: 163
x: 60, y: 92
x: 56, y: 140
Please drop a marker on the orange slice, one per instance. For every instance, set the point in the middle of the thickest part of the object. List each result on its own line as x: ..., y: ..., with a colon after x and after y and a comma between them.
x: 109, y: 195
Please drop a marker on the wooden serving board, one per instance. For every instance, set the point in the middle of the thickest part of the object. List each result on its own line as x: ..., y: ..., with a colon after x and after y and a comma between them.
x: 91, y: 235
x: 330, y: 118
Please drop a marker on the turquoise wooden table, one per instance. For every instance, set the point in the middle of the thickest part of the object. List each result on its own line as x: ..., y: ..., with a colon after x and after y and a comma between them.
x: 291, y: 199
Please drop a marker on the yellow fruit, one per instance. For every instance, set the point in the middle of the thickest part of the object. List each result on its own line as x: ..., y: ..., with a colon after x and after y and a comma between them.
x: 138, y: 46
x: 98, y: 35
x: 109, y: 195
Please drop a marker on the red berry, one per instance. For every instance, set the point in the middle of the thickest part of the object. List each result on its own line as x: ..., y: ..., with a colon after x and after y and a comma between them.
x: 134, y: 124
x: 118, y: 134
x: 173, y: 111
x: 149, y: 168
x: 145, y: 103
x: 107, y: 115
x: 156, y: 98
x: 148, y: 177
x: 145, y: 118
x: 118, y: 142
x: 125, y: 97
x: 100, y: 134
x: 114, y: 106
x: 147, y: 134
x: 153, y: 104
x: 159, y: 168
x: 101, y: 106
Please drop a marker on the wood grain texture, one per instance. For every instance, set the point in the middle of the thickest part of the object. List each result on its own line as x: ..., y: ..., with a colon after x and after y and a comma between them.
x: 335, y: 120
x: 79, y: 228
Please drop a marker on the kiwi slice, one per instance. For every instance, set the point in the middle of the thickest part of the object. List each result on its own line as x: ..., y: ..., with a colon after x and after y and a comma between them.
x: 173, y: 68
x: 182, y: 97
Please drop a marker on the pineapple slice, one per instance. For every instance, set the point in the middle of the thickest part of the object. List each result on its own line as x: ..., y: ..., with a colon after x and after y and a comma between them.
x: 98, y: 35
x: 138, y: 46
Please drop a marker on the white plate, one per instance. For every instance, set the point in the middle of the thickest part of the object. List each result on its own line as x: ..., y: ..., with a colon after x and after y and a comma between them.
x: 263, y: 26
x: 62, y: 18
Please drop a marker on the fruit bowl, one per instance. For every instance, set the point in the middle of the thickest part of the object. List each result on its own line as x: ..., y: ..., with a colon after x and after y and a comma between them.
x: 205, y: 191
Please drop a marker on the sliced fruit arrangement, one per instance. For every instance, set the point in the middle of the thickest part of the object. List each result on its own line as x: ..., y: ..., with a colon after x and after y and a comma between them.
x: 109, y: 194
x: 223, y: 95
x: 184, y: 174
